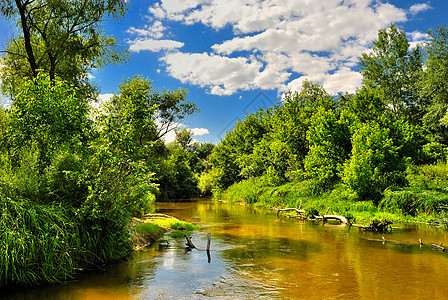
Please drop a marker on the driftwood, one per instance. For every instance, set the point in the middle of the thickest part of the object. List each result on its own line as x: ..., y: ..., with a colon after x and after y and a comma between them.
x: 323, y: 217
x: 190, y: 244
x: 377, y: 226
x: 332, y: 217
x: 278, y: 210
x: 439, y: 247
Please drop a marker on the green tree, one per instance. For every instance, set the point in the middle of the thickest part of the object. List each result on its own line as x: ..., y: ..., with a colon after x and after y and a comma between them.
x: 393, y: 70
x: 154, y: 113
x: 375, y: 163
x: 434, y: 86
x: 49, y: 114
x: 184, y: 137
x: 329, y: 142
x: 230, y: 155
x: 63, y: 38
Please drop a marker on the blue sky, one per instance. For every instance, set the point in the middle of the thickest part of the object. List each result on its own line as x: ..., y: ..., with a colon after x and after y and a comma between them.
x: 237, y: 55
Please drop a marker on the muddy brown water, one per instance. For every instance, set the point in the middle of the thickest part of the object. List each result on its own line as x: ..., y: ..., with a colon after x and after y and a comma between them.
x: 256, y: 255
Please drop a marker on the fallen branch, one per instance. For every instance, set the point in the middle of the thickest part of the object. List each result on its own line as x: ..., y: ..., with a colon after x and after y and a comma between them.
x: 332, y: 217
x: 190, y: 244
x: 439, y: 247
x: 278, y: 210
x: 377, y: 226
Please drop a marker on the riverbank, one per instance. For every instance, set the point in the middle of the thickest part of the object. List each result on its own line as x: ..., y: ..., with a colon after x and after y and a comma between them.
x: 424, y: 200
x: 151, y: 227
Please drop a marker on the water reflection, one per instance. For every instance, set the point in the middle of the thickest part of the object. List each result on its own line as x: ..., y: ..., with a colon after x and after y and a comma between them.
x: 262, y: 256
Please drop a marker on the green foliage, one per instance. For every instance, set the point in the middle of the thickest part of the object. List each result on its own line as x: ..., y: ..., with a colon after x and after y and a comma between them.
x: 183, y: 137
x: 433, y: 86
x: 435, y: 152
x: 374, y: 164
x: 272, y: 177
x: 67, y: 46
x: 393, y: 70
x: 48, y: 114
x: 178, y: 180
x: 149, y: 229
x: 414, y: 201
x: 329, y: 142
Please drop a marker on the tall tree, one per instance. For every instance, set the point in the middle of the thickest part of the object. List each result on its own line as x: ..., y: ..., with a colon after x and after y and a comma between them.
x: 434, y: 84
x: 393, y: 69
x: 63, y: 38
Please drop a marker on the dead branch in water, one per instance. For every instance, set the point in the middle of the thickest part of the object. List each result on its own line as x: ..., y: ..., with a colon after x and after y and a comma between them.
x: 323, y: 217
x: 439, y: 247
x: 377, y: 226
x: 190, y: 244
x: 278, y: 210
x: 332, y: 217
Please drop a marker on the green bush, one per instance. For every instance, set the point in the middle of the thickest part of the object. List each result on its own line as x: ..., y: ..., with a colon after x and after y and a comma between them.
x: 374, y: 164
x: 434, y: 152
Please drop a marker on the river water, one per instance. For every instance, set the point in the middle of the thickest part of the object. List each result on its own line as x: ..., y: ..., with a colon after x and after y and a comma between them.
x: 256, y: 255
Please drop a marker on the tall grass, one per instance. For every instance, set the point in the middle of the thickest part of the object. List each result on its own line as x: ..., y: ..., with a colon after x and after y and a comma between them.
x: 40, y: 243
x: 51, y: 229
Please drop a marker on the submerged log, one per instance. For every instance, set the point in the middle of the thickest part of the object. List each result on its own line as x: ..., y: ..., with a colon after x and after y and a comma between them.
x: 377, y: 226
x: 278, y: 210
x: 439, y: 247
x: 300, y: 212
x: 333, y: 217
x: 190, y: 244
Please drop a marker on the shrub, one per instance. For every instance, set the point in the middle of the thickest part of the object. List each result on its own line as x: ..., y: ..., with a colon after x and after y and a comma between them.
x: 375, y: 163
x: 434, y: 152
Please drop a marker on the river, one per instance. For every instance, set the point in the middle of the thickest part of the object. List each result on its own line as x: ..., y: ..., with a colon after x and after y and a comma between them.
x: 257, y: 255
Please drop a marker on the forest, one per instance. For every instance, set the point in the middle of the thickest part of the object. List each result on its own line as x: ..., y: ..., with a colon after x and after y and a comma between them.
x: 72, y: 176
x: 380, y: 152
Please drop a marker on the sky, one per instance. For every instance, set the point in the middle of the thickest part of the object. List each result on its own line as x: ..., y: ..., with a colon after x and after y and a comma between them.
x: 235, y: 56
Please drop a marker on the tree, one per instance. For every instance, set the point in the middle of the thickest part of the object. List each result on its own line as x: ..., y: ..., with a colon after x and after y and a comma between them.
x: 329, y: 142
x: 434, y: 85
x: 183, y: 137
x: 162, y: 111
x: 375, y: 163
x: 49, y: 114
x: 393, y: 70
x: 63, y: 38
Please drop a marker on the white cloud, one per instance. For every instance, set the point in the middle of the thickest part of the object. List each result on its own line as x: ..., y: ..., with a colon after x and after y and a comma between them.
x: 154, y: 31
x: 171, y: 135
x: 222, y: 75
x: 416, y: 8
x: 150, y: 44
x: 417, y: 38
x: 199, y: 131
x: 276, y: 43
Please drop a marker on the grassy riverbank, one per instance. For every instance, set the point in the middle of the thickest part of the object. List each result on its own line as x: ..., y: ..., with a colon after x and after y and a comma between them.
x: 151, y: 228
x: 425, y: 199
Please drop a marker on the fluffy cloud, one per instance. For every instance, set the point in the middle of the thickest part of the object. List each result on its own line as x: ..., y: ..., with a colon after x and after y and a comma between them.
x: 199, y: 131
x: 222, y: 75
x: 149, y: 39
x: 416, y: 8
x: 276, y: 43
x: 153, y: 45
x: 171, y: 135
x: 154, y: 31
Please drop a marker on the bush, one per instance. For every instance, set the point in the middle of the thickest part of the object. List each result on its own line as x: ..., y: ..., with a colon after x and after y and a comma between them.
x: 434, y: 152
x: 374, y: 165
